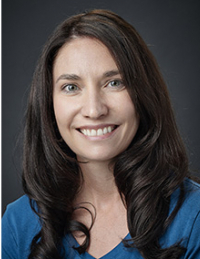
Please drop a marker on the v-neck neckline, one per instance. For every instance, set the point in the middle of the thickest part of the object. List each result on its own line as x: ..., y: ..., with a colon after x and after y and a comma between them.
x: 86, y: 255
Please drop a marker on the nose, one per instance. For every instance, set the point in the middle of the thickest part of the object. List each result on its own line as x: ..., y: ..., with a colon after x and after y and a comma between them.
x: 94, y: 105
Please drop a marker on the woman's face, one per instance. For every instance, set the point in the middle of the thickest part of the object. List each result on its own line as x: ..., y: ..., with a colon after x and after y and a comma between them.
x: 93, y: 110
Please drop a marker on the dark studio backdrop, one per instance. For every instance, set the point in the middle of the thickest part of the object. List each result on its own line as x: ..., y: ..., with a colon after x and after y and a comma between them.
x: 169, y: 27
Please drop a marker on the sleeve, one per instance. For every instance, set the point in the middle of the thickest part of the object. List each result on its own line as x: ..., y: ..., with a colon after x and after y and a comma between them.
x: 9, y: 243
x: 193, y: 246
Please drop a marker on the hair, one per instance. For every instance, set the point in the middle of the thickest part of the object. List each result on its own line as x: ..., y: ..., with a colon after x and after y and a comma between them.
x: 146, y: 174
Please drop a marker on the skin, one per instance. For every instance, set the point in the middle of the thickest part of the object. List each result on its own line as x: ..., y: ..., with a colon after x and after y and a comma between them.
x: 97, y: 119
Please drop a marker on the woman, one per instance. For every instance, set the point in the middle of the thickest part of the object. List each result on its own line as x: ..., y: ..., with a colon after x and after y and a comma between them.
x: 105, y: 169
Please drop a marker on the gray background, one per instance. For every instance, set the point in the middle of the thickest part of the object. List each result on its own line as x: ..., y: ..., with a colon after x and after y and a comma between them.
x: 169, y: 27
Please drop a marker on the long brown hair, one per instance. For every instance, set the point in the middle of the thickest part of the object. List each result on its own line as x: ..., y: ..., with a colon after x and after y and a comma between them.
x: 146, y: 174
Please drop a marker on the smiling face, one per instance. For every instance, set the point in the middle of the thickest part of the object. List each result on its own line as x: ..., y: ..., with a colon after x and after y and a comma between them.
x: 93, y: 110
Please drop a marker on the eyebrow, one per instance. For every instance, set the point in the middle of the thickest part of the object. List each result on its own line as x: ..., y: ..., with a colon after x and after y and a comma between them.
x: 76, y: 77
x: 68, y: 76
x: 111, y: 73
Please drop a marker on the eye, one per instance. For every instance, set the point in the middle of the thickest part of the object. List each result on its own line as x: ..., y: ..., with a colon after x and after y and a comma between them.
x: 117, y: 83
x: 70, y: 88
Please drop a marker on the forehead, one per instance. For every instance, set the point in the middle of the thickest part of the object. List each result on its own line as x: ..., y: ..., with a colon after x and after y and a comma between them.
x: 82, y: 44
x: 81, y: 53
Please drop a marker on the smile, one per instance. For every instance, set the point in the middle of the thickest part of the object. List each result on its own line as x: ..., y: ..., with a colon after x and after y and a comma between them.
x: 97, y: 132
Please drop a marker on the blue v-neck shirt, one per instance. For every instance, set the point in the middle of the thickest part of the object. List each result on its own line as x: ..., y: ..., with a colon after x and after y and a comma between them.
x: 20, y: 225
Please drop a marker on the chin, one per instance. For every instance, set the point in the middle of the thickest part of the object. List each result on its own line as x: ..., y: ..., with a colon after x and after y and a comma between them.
x: 97, y: 157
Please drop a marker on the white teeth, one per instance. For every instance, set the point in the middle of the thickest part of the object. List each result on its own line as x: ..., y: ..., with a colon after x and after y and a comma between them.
x: 98, y: 132
x: 105, y: 130
x: 93, y: 132
x: 109, y: 129
x: 84, y: 131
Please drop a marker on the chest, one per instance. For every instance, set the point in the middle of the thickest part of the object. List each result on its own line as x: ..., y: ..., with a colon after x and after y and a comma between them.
x: 107, y: 232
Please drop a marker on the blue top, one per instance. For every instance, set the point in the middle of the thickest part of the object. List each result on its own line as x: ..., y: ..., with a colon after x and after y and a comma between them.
x: 20, y: 225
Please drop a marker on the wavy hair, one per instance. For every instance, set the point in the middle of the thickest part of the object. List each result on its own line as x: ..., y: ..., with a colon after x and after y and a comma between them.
x: 146, y: 174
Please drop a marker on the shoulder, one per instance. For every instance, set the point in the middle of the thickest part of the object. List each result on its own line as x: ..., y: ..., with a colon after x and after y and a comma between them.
x: 20, y: 213
x: 21, y: 203
x: 192, y: 198
x: 186, y: 224
x: 192, y: 189
x: 19, y: 225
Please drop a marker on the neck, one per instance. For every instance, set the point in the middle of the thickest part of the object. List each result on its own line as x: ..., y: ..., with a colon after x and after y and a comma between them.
x: 99, y: 186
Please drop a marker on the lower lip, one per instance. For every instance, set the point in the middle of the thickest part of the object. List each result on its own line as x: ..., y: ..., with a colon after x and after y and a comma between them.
x: 101, y: 137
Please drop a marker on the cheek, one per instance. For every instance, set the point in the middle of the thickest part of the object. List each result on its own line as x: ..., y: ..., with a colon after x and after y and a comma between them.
x: 62, y: 113
x: 131, y: 116
x: 125, y: 107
